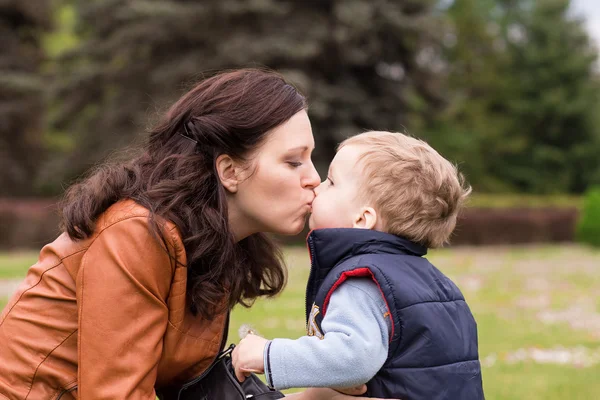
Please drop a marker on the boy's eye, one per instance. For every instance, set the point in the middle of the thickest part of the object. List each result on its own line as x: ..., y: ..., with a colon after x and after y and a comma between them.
x: 330, y: 181
x: 294, y: 164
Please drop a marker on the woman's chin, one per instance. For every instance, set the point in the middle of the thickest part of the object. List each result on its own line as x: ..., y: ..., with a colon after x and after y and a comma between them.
x: 293, y: 228
x: 290, y: 232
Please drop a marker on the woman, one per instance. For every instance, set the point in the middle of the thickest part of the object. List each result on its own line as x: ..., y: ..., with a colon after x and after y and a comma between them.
x: 135, y: 294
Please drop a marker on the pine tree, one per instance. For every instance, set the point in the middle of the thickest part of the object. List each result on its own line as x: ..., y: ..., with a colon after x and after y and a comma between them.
x: 553, y: 98
x: 22, y: 92
x: 363, y: 63
x: 522, y: 97
x: 470, y: 128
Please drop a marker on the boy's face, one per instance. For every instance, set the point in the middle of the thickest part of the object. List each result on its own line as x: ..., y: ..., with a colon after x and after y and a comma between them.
x: 336, y: 203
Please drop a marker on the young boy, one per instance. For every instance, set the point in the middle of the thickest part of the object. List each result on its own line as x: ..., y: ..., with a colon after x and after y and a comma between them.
x: 377, y: 311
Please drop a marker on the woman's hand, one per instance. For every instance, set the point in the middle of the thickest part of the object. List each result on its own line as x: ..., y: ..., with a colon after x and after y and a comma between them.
x: 327, y: 394
x: 248, y: 356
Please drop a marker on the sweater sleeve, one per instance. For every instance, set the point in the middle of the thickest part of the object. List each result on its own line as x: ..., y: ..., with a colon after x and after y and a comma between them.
x: 353, y: 350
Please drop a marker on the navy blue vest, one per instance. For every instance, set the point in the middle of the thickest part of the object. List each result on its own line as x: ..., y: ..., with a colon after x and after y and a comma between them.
x: 433, y: 342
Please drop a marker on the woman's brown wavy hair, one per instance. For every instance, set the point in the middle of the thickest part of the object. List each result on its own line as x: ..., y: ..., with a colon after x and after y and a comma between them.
x: 175, y: 178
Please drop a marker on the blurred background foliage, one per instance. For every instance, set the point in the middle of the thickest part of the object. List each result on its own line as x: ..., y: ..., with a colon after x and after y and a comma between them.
x: 507, y: 89
x: 588, y: 227
x: 22, y: 93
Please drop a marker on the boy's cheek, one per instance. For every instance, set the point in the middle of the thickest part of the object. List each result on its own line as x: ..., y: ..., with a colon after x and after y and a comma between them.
x: 320, y: 220
x: 325, y: 214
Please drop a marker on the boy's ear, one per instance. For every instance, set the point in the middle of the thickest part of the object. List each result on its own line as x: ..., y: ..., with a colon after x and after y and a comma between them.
x: 227, y: 170
x: 365, y: 219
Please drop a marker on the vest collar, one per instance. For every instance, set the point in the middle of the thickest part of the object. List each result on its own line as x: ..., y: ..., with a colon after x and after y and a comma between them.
x: 330, y: 246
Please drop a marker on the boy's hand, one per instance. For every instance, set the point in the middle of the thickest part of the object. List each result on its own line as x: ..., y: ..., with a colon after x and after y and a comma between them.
x: 248, y: 356
x: 352, y: 391
x: 324, y: 394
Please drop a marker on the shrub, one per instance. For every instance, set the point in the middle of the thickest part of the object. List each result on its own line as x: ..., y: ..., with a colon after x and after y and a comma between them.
x: 496, y: 201
x: 27, y: 223
x: 512, y: 226
x: 588, y: 228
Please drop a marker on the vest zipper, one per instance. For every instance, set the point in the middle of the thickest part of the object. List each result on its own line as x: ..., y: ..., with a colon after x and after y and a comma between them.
x: 311, y: 252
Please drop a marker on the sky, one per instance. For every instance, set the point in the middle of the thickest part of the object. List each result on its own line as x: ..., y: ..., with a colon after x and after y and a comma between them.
x: 590, y: 9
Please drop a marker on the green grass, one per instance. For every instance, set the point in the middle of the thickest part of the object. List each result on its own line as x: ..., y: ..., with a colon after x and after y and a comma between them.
x: 525, y: 300
x: 15, y: 265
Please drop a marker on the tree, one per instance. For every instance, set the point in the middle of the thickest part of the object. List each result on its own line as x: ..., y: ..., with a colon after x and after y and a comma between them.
x: 553, y: 100
x: 470, y: 128
x: 22, y: 105
x: 361, y: 62
x: 523, y: 96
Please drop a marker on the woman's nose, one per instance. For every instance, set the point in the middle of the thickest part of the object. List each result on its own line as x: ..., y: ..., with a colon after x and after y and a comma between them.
x: 312, y: 179
x: 317, y: 190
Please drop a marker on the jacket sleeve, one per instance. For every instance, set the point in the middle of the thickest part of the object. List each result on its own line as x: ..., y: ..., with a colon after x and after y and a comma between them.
x: 122, y: 287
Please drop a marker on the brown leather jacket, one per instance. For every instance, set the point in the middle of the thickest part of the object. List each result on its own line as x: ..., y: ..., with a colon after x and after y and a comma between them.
x: 105, y: 317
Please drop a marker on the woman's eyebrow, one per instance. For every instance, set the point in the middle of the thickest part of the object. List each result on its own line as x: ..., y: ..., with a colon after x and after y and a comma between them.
x: 302, y: 148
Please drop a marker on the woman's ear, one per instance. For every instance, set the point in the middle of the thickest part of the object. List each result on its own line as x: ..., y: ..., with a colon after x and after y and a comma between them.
x: 227, y: 170
x: 366, y: 218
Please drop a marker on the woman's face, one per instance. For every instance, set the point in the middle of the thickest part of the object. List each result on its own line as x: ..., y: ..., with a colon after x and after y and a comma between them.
x: 277, y: 194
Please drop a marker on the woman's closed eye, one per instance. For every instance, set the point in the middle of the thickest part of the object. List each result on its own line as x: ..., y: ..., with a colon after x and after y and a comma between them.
x: 294, y: 164
x: 330, y: 181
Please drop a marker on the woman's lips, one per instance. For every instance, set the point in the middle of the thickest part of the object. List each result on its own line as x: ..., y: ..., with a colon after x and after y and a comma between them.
x: 308, y: 210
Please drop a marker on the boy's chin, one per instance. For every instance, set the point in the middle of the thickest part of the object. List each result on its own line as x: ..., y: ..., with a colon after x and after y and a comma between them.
x: 311, y: 224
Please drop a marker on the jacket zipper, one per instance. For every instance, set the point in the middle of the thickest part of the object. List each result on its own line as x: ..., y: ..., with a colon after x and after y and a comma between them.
x: 188, y: 384
x: 311, y: 252
x: 210, y: 367
x: 225, y: 333
x: 217, y: 358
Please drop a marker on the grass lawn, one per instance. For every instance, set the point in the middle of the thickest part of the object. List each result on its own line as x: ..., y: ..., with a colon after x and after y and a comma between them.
x: 537, y: 308
x: 14, y: 265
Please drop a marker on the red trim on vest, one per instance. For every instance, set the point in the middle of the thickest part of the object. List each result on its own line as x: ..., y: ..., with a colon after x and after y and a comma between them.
x: 358, y: 273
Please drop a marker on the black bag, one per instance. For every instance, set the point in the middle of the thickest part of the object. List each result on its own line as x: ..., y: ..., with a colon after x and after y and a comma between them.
x: 218, y: 382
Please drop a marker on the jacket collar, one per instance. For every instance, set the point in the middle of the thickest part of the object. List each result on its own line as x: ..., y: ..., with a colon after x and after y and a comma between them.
x: 330, y: 246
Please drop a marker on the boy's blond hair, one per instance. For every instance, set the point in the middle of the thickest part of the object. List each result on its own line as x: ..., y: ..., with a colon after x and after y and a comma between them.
x: 416, y: 191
